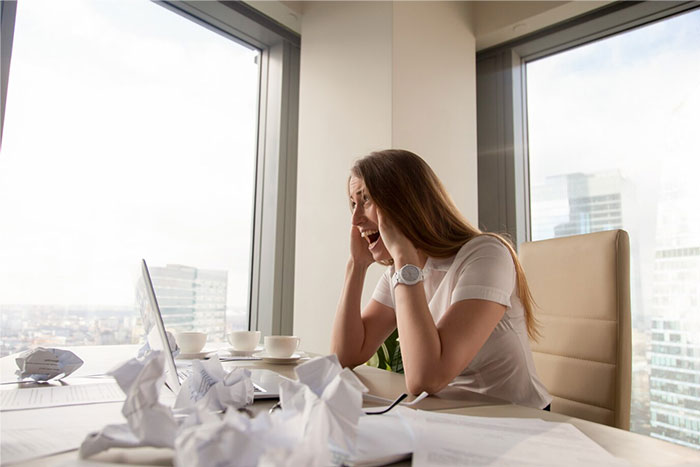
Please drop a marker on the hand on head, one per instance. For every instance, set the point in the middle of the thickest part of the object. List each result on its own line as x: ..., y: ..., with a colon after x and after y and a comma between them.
x: 395, y: 241
x: 359, y: 252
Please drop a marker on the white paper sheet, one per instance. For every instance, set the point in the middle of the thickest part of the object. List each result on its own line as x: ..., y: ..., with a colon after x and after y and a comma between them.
x: 55, y: 396
x: 29, y: 443
x: 456, y: 440
x: 384, y: 439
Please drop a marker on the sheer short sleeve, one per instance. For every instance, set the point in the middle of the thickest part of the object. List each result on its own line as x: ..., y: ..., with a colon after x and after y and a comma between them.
x: 487, y: 273
x: 382, y: 292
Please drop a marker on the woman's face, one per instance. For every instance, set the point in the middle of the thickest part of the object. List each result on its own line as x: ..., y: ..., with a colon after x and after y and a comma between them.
x: 364, y: 217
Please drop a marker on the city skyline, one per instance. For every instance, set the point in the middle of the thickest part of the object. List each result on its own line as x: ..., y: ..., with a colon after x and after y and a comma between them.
x: 26, y: 326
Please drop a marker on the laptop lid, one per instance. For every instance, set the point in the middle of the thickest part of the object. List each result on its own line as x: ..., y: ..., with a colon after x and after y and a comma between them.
x: 265, y: 382
x: 156, y: 336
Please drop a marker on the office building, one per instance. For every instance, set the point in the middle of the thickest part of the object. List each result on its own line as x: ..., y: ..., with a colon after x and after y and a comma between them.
x: 578, y: 203
x: 674, y: 382
x: 675, y: 335
x: 639, y: 407
x: 191, y: 298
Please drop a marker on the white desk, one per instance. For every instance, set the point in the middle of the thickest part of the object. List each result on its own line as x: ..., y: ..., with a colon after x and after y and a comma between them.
x: 637, y: 449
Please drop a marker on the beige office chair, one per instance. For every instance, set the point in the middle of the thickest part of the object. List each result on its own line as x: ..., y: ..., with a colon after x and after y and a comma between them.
x: 581, y: 289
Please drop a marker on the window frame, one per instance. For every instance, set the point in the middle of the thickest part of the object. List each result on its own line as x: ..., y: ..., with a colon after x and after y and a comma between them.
x: 271, y: 295
x: 8, y: 11
x: 502, y: 144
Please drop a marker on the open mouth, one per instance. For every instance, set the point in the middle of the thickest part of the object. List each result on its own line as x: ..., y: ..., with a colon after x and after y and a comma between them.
x: 372, y: 237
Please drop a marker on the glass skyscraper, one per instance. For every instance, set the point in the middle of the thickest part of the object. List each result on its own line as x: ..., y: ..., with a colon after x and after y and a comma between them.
x: 191, y: 299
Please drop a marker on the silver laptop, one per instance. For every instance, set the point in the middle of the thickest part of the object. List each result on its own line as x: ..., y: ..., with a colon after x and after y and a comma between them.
x: 265, y: 382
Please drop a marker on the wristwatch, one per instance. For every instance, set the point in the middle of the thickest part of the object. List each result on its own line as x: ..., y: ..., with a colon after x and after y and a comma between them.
x: 408, y: 274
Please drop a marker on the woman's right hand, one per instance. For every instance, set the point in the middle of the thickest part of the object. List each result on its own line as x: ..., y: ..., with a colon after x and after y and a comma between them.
x: 359, y: 251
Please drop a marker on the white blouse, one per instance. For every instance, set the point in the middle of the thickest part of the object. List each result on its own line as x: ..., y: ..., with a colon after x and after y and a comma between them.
x: 483, y: 269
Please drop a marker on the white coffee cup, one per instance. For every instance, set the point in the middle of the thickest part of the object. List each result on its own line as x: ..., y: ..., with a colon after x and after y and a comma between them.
x: 281, y: 346
x: 191, y: 341
x: 244, y: 340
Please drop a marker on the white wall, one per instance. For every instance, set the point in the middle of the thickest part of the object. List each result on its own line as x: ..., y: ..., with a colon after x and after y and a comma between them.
x: 374, y: 75
x: 434, y: 93
x: 344, y: 112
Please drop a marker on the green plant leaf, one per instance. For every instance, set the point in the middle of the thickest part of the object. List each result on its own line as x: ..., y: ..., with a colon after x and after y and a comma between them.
x: 373, y: 361
x: 388, y: 355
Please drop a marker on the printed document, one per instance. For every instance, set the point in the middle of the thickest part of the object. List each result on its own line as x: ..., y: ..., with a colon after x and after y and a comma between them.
x: 55, y: 396
x: 24, y: 444
x: 456, y: 440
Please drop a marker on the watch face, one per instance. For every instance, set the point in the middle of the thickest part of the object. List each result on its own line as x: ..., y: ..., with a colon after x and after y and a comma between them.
x: 410, y: 273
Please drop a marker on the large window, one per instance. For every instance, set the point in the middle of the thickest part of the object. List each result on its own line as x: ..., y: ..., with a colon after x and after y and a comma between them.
x: 601, y: 134
x: 612, y: 130
x: 133, y: 132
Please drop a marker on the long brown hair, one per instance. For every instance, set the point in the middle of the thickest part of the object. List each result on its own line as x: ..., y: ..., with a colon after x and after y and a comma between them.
x: 409, y: 193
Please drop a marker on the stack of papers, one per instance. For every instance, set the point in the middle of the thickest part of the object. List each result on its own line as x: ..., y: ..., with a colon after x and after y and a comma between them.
x: 446, y: 440
x: 441, y: 439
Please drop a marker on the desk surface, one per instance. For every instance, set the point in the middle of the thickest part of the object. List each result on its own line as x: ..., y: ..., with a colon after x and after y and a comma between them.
x: 638, y: 449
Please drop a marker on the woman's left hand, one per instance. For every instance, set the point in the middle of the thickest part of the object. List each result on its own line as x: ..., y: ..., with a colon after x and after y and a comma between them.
x: 396, y: 243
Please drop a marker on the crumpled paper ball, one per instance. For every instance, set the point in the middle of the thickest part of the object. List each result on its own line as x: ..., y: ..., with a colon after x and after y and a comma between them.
x: 44, y: 364
x: 211, y: 388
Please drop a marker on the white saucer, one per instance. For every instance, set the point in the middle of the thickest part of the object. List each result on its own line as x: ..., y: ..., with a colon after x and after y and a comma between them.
x: 279, y: 360
x: 193, y: 356
x: 241, y: 353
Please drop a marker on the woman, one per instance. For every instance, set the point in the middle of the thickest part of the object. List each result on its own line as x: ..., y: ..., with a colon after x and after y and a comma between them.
x: 458, y: 296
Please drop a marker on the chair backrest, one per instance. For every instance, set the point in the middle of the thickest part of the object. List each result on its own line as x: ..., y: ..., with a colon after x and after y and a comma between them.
x: 581, y: 288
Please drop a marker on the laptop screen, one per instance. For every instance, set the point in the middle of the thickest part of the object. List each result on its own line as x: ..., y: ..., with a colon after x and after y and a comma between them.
x: 266, y: 382
x: 154, y: 327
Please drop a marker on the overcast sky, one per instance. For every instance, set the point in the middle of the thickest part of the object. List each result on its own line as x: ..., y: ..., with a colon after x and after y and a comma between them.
x: 130, y: 132
x: 625, y: 102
